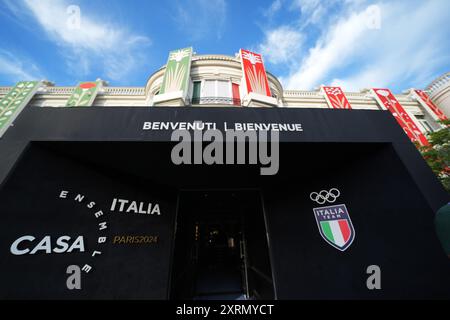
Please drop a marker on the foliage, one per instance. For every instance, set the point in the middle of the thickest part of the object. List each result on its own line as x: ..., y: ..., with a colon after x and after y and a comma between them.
x: 437, y: 154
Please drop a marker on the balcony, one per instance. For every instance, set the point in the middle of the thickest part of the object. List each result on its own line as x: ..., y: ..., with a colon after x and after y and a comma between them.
x: 216, y: 100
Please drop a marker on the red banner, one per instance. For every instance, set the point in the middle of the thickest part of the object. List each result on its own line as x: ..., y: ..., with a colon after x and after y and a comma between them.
x: 254, y: 73
x: 390, y: 102
x: 336, y: 98
x: 425, y: 101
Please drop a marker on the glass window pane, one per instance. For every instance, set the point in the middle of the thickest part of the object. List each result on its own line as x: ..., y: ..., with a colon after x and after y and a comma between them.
x: 196, y: 92
x: 223, y: 89
x: 236, y: 95
x: 209, y: 88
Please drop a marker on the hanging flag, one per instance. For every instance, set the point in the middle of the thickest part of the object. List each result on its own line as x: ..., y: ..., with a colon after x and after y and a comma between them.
x: 336, y: 98
x: 426, y: 102
x: 178, y: 69
x: 254, y: 73
x: 84, y: 94
x: 388, y: 101
x: 15, y: 100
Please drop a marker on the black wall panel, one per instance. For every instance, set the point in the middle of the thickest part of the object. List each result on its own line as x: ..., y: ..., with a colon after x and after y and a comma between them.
x: 103, y: 153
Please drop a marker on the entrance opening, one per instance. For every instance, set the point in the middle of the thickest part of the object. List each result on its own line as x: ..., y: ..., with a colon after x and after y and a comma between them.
x: 221, y: 249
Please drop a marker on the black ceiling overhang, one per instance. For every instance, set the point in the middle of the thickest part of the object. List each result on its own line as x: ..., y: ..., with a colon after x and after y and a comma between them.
x: 125, y: 124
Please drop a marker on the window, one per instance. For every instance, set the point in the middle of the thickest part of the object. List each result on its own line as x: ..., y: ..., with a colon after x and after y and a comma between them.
x: 196, y: 92
x: 425, y: 125
x: 223, y: 89
x: 209, y: 89
x: 236, y: 94
x: 215, y: 91
x: 273, y: 94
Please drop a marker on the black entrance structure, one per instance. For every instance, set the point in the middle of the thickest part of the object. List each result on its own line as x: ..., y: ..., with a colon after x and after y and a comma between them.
x: 221, y: 247
x: 104, y: 154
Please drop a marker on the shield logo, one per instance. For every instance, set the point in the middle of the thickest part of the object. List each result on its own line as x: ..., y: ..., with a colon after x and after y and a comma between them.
x: 335, y: 226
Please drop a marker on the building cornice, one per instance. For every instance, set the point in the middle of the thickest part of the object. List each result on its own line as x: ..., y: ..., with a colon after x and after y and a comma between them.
x: 438, y: 85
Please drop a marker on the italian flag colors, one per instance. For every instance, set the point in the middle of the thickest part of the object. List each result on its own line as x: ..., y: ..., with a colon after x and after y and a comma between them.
x: 84, y: 94
x: 336, y: 231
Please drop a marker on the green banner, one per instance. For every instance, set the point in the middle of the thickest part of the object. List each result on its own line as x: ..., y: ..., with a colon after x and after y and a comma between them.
x: 176, y: 76
x: 84, y: 94
x: 14, y: 101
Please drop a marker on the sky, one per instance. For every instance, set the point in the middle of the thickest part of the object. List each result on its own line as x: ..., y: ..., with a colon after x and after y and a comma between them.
x: 354, y: 44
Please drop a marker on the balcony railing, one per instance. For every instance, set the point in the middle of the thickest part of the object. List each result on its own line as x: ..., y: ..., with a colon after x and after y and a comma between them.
x: 216, y: 100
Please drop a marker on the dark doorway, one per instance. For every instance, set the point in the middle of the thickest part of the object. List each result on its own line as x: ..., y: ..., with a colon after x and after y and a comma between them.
x: 221, y: 249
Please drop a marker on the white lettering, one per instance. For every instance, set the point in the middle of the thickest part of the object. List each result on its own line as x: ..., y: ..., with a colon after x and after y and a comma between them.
x: 98, y: 214
x: 156, y: 210
x: 101, y: 239
x: 131, y: 206
x: 122, y: 204
x: 61, y: 245
x: 44, y: 245
x: 15, y: 245
x: 86, y: 268
x: 113, y: 204
x: 77, y: 244
x: 96, y: 252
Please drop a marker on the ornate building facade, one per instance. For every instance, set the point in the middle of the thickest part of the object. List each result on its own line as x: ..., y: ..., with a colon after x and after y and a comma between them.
x: 218, y: 81
x: 94, y: 186
x: 439, y: 92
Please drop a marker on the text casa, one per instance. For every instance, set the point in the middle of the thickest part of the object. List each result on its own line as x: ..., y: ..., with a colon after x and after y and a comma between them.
x: 63, y: 244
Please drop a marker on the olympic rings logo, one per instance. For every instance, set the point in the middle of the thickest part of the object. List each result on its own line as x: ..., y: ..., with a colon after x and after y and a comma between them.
x: 324, y: 196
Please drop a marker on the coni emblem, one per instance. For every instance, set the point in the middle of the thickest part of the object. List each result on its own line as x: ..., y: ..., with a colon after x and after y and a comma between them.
x: 334, y: 223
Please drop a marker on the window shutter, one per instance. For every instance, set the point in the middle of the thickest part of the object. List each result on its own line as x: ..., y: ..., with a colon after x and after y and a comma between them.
x: 223, y: 89
x: 209, y: 89
x: 236, y: 95
x: 196, y: 92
